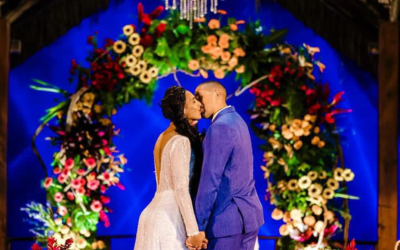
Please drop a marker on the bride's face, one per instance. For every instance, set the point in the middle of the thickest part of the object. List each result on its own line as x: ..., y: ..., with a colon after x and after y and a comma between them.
x: 193, y: 108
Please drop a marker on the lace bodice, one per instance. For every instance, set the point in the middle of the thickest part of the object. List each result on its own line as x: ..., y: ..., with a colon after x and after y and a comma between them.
x: 174, y: 176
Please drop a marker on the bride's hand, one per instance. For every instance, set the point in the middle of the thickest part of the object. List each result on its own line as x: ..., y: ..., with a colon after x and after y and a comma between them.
x: 196, y: 241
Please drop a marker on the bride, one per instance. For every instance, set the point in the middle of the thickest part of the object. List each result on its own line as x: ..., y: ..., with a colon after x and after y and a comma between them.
x: 169, y: 220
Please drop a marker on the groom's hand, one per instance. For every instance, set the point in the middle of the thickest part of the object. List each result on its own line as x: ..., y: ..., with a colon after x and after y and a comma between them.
x: 197, y: 242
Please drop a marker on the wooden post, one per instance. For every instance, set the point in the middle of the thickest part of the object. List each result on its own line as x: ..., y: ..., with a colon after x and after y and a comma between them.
x: 388, y: 132
x: 4, y: 68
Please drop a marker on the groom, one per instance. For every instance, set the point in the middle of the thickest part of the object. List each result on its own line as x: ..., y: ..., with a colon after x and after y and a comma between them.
x: 228, y: 209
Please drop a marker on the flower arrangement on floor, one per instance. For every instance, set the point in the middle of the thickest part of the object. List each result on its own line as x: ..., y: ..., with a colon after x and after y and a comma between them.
x: 52, y: 245
x: 291, y: 112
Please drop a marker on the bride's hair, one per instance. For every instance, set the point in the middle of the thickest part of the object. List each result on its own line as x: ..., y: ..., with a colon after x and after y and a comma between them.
x: 173, y: 105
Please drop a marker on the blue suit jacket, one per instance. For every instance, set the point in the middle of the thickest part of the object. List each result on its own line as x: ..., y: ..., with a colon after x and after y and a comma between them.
x: 227, y: 202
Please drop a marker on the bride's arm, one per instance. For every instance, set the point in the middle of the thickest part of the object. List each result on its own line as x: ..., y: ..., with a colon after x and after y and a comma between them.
x: 180, y: 160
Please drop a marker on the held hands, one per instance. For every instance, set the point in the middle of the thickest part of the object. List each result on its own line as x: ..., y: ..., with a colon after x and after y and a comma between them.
x: 197, y: 242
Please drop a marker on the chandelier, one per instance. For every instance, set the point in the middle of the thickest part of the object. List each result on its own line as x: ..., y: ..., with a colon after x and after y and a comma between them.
x: 192, y: 9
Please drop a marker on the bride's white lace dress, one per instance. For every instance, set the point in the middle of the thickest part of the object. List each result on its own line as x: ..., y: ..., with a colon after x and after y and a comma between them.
x: 169, y: 218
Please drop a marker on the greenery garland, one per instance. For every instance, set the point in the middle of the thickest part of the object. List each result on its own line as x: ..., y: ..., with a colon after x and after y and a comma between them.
x: 291, y: 112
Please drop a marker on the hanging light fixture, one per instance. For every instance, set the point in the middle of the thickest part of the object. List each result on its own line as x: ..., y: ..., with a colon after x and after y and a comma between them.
x: 192, y: 9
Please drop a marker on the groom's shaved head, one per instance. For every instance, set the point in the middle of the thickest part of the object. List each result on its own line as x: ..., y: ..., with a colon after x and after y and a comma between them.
x: 214, y: 86
x: 212, y: 95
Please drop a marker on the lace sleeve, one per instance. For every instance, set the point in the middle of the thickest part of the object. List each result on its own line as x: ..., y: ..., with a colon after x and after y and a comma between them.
x: 180, y: 160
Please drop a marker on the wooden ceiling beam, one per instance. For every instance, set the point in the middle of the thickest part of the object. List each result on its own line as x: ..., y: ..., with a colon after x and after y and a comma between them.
x: 13, y: 15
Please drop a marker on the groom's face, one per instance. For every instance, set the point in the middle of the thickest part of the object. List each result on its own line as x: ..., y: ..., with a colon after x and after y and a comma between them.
x: 204, y: 95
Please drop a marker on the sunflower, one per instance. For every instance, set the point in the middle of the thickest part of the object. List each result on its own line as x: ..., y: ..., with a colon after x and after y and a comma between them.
x: 138, y: 51
x: 292, y: 185
x: 304, y: 182
x: 338, y: 174
x: 128, y: 30
x: 134, y: 39
x: 136, y: 70
x: 315, y: 190
x: 131, y: 61
x: 332, y: 184
x: 145, y: 77
x: 153, y: 72
x: 328, y: 193
x: 119, y: 47
x: 348, y: 175
x: 313, y: 175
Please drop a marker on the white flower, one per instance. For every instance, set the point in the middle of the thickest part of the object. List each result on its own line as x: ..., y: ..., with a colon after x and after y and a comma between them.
x: 304, y: 182
x: 295, y: 214
x: 313, y: 175
x: 119, y: 47
x: 292, y: 185
x: 131, y: 61
x: 138, y: 51
x: 348, y: 175
x: 153, y: 72
x: 328, y: 193
x: 145, y: 77
x: 315, y: 190
x: 136, y: 70
x: 338, y: 174
x: 65, y: 229
x: 134, y: 39
x: 319, y: 226
x: 128, y: 30
x: 332, y: 184
x: 81, y: 243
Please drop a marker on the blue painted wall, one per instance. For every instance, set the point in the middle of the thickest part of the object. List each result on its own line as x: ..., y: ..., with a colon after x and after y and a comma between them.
x: 141, y: 124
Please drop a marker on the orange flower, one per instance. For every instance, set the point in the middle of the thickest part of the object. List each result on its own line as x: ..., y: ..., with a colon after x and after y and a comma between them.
x: 321, y: 66
x: 200, y: 20
x: 239, y: 52
x: 233, y: 62
x: 212, y: 40
x: 240, y: 22
x: 309, y: 220
x: 216, y: 52
x: 233, y: 27
x: 277, y: 214
x: 214, y: 24
x: 206, y: 49
x: 226, y: 56
x: 193, y: 65
x: 219, y: 73
x: 241, y: 70
x: 222, y: 12
x: 204, y: 73
x: 283, y: 230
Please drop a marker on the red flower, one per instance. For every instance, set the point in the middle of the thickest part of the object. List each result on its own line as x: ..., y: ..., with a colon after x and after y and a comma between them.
x: 74, y: 64
x: 90, y: 162
x: 140, y: 10
x: 83, y: 181
x: 107, y: 150
x: 69, y: 163
x: 104, y: 217
x: 36, y: 247
x: 105, y: 199
x: 337, y: 98
x: 57, y: 170
x: 90, y: 40
x: 70, y: 196
x: 47, y: 182
x: 157, y: 12
x: 276, y: 102
x: 62, y: 178
x: 103, y: 189
x: 81, y: 191
x: 352, y: 245
x: 314, y: 108
x: 93, y: 184
x: 146, y: 41
x: 120, y: 186
x: 329, y: 116
x: 108, y: 42
x: 76, y: 184
x: 96, y: 206
x: 81, y: 172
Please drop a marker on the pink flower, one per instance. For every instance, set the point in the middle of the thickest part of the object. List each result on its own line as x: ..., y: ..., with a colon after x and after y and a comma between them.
x: 96, y: 206
x: 120, y: 186
x: 58, y: 197
x: 93, y: 184
x: 65, y: 172
x: 62, y: 211
x: 105, y: 199
x: 76, y: 184
x: 90, y: 162
x: 69, y: 163
x: 81, y: 191
x: 47, y: 182
x: 81, y: 172
x: 83, y: 182
x: 107, y: 150
x: 101, y: 133
x: 104, y: 217
x: 62, y: 178
x: 57, y: 170
x: 103, y: 189
x: 105, y: 142
x: 70, y: 196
